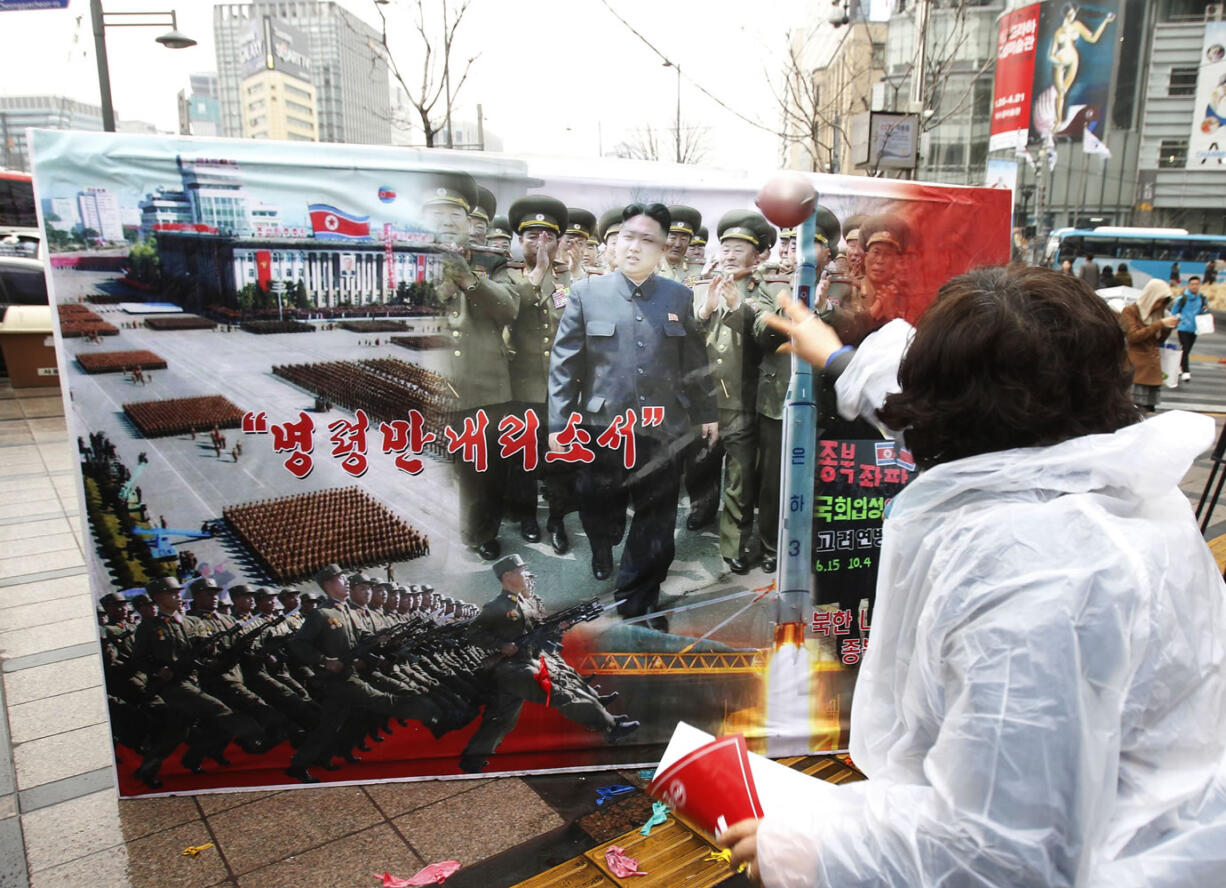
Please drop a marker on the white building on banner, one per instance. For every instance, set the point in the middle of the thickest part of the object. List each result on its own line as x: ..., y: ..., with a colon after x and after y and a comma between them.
x: 100, y: 212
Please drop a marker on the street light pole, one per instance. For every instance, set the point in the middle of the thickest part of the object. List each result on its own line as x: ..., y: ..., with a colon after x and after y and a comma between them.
x: 678, y: 67
x: 104, y: 73
x: 172, y: 39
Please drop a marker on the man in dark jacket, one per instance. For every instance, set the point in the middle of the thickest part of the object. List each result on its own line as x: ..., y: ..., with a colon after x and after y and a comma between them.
x: 628, y: 343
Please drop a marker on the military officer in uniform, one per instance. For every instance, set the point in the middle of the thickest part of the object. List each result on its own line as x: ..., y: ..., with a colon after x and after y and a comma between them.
x: 696, y: 254
x: 855, y: 252
x: 573, y: 245
x: 480, y: 215
x: 685, y: 224
x: 500, y: 625
x: 607, y: 228
x: 629, y: 341
x: 498, y: 236
x: 477, y: 301
x: 125, y: 686
x: 774, y: 376
x: 327, y: 636
x: 543, y: 290
x: 724, y: 307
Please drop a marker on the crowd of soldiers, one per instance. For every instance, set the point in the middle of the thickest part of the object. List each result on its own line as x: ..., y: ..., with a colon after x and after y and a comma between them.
x: 502, y: 320
x: 327, y: 672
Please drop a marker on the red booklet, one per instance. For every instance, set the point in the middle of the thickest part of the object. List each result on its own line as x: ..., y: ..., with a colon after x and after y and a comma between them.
x: 712, y: 786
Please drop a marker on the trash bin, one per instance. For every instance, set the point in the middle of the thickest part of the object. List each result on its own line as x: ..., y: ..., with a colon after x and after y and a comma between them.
x: 28, y: 346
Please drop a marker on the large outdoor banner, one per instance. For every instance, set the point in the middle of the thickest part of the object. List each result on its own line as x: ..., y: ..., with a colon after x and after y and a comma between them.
x: 1207, y: 143
x: 1054, y: 63
x: 429, y: 485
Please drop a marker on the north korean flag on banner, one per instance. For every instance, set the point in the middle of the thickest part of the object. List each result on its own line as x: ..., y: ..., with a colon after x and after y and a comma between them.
x: 329, y: 223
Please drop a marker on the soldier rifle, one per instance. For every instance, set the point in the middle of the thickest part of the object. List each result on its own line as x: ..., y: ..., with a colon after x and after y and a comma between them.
x: 546, y: 635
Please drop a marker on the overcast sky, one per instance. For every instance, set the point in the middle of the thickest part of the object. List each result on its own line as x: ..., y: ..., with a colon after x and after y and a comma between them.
x: 553, y: 76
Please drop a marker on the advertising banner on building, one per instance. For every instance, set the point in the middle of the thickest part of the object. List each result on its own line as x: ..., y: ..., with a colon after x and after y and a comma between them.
x: 1075, y: 57
x: 1207, y: 142
x: 439, y: 508
x: 1054, y: 62
x: 1015, y: 54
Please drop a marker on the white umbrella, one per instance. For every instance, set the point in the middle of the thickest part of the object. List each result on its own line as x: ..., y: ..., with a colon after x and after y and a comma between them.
x: 1118, y: 297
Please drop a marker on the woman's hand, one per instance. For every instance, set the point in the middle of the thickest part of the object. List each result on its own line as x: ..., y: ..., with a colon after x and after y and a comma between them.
x: 742, y: 839
x: 812, y: 339
x: 1172, y: 321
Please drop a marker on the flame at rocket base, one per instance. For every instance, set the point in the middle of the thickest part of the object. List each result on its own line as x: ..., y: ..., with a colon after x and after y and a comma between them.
x: 788, y: 694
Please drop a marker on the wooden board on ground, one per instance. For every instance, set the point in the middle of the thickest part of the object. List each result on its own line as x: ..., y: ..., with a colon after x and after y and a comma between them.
x: 675, y: 853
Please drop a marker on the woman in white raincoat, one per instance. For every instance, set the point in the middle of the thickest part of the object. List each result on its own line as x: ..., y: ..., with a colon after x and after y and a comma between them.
x: 1043, y: 701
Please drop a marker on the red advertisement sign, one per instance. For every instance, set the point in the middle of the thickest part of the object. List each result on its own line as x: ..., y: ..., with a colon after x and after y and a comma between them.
x: 1015, y: 55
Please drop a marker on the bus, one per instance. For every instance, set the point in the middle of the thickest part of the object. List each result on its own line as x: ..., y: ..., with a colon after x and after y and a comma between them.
x: 1148, y: 252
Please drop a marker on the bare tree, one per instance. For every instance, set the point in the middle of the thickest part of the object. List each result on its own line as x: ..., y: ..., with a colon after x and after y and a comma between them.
x: 437, y: 40
x: 815, y: 104
x: 649, y: 143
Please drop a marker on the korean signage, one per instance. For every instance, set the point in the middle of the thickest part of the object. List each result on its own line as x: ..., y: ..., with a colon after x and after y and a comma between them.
x: 1019, y: 32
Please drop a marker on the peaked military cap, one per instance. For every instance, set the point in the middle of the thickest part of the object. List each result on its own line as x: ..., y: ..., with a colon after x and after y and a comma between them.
x: 787, y: 234
x: 686, y: 220
x: 885, y: 229
x: 449, y: 187
x: 851, y: 231
x: 113, y: 599
x: 357, y: 578
x: 537, y: 211
x: 610, y: 222
x: 486, y: 204
x: 500, y: 227
x: 385, y: 586
x: 239, y: 590
x: 200, y: 584
x: 828, y: 229
x: 700, y: 237
x: 328, y: 572
x: 580, y: 222
x: 141, y: 600
x: 739, y: 225
x: 262, y: 592
x: 289, y: 593
x: 767, y: 232
x: 510, y: 562
x: 163, y: 584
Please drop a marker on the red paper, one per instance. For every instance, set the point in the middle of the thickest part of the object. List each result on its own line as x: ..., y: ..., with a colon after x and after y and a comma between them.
x: 711, y: 786
x: 542, y: 678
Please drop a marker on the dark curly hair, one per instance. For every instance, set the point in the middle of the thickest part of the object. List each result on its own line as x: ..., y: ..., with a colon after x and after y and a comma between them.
x: 1010, y: 357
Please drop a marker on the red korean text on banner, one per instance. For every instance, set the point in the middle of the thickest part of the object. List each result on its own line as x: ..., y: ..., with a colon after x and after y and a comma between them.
x: 519, y: 436
x: 470, y: 443
x: 349, y: 442
x: 1015, y: 59
x: 401, y: 435
x: 296, y: 438
x: 620, y: 436
x: 574, y: 441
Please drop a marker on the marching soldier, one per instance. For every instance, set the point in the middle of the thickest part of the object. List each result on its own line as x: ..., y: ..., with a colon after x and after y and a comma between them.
x: 265, y: 673
x: 480, y: 215
x: 774, y: 376
x: 125, y: 686
x: 477, y: 302
x: 685, y: 224
x: 166, y: 650
x: 543, y: 291
x: 500, y: 625
x: 498, y: 236
x: 724, y: 308
x: 222, y: 675
x: 325, y: 640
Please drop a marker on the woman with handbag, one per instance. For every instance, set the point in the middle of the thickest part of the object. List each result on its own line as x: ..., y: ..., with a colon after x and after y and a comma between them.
x: 1189, y: 307
x: 1146, y: 329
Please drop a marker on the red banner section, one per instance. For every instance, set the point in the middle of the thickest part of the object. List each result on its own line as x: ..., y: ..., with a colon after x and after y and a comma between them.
x: 1015, y: 55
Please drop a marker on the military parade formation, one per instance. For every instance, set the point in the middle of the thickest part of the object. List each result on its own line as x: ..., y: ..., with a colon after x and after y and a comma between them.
x: 330, y: 672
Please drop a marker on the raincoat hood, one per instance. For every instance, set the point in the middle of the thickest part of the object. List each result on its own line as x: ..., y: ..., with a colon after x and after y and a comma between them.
x: 1155, y: 291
